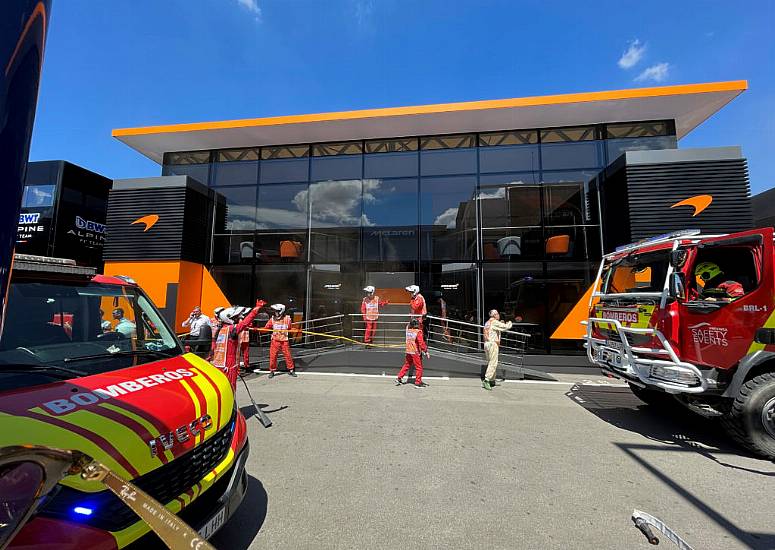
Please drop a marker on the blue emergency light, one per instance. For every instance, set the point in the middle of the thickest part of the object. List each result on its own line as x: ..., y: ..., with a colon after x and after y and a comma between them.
x: 83, y: 510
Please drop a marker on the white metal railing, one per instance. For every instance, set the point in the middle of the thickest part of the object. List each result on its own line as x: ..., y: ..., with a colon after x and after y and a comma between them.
x: 452, y: 338
x: 313, y: 335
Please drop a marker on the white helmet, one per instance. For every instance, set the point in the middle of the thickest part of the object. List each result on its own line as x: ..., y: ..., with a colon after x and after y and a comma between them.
x: 369, y: 289
x: 279, y: 309
x: 229, y: 314
x: 414, y: 289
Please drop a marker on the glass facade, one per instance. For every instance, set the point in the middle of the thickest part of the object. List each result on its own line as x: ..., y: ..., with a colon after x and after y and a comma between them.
x: 506, y: 220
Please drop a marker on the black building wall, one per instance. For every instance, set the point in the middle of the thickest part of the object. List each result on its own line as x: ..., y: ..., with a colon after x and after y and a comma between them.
x: 764, y: 209
x: 182, y: 231
x: 63, y: 212
x: 641, y: 189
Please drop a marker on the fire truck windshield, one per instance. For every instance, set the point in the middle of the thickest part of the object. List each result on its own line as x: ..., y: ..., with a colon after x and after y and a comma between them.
x: 53, y: 329
x: 632, y: 274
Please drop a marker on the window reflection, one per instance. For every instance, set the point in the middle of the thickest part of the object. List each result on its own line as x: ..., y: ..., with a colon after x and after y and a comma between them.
x: 390, y: 219
x: 284, y: 284
x: 518, y: 292
x: 199, y: 172
x: 284, y: 170
x: 234, y: 282
x: 447, y: 161
x: 335, y: 218
x: 238, y: 212
x: 565, y: 283
x: 235, y: 173
x: 281, y: 234
x: 509, y: 158
x: 561, y: 156
x: 448, y: 218
x: 510, y: 207
x: 615, y: 147
x: 233, y: 248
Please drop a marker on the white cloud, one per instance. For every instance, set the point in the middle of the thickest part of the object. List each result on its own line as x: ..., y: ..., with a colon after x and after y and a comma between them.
x: 499, y: 193
x: 337, y: 203
x: 633, y: 55
x: 252, y: 6
x: 656, y: 73
x: 447, y: 218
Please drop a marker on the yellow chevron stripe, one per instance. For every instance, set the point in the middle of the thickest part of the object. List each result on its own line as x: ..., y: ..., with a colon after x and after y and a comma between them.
x: 140, y: 420
x: 211, y: 399
x: 184, y: 382
x: 106, y: 428
x: 217, y: 376
x: 770, y: 323
x: 227, y: 395
x: 21, y: 430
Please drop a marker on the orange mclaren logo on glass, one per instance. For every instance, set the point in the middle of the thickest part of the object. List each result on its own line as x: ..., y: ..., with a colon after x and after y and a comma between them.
x: 149, y: 221
x: 698, y: 202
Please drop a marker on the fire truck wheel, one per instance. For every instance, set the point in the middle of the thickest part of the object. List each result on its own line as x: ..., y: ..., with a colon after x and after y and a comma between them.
x: 654, y: 398
x: 751, y: 418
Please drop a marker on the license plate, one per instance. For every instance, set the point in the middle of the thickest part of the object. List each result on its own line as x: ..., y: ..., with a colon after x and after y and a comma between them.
x: 215, y: 523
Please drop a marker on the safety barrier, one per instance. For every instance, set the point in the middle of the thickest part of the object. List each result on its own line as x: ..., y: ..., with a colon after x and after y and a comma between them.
x: 446, y: 338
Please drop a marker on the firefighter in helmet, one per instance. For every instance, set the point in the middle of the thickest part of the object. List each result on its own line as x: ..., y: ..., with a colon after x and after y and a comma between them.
x: 415, y: 349
x: 280, y: 324
x: 232, y: 321
x: 712, y: 285
x: 370, y: 312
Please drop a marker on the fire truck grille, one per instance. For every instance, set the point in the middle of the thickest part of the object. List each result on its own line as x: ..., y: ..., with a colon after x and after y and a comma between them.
x: 164, y: 484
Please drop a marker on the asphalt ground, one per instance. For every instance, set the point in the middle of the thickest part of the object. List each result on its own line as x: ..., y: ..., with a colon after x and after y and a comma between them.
x: 356, y: 462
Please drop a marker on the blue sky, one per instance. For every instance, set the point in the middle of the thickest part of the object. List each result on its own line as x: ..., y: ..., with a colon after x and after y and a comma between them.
x: 121, y: 64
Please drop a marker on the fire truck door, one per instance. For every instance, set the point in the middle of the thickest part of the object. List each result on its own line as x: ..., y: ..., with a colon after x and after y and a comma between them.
x: 718, y: 331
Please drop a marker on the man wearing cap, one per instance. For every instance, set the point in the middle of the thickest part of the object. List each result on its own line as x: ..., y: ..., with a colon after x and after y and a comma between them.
x: 280, y: 324
x: 370, y: 311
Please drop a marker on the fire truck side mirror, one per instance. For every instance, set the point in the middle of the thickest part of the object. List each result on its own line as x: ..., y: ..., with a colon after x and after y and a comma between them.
x: 678, y: 258
x: 677, y: 286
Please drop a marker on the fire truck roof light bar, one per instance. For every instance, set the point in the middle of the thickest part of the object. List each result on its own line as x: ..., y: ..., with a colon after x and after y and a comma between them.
x: 684, y: 235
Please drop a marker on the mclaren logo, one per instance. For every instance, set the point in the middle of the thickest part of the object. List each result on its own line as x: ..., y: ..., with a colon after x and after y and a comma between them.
x: 149, y: 221
x: 698, y: 202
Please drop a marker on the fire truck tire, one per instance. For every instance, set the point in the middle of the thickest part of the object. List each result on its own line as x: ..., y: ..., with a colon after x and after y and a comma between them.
x: 751, y: 417
x: 654, y: 398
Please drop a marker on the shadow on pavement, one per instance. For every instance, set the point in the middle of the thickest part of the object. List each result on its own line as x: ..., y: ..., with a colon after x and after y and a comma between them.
x: 248, y: 411
x: 244, y: 525
x: 671, y: 429
x: 670, y: 425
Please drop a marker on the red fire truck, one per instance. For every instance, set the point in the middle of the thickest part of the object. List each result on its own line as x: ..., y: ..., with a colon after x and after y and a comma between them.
x: 691, y: 318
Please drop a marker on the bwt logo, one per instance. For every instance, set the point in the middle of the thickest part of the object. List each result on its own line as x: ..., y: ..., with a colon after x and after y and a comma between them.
x: 89, y: 225
x: 29, y: 218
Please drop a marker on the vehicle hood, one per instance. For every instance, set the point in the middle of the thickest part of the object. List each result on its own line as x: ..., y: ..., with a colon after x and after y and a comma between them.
x: 113, y: 416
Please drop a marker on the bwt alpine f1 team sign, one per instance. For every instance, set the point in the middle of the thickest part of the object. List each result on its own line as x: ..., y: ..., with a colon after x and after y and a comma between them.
x: 89, y: 233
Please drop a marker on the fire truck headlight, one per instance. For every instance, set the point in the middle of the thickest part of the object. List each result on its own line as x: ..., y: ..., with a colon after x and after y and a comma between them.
x: 676, y: 375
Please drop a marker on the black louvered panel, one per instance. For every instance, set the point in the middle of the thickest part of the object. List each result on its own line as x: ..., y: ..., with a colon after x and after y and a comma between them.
x: 653, y: 188
x: 181, y: 232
